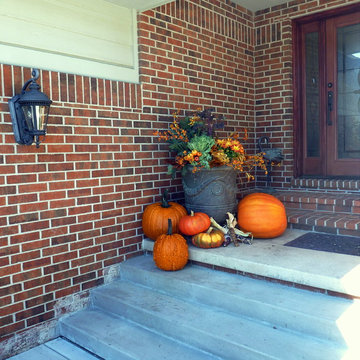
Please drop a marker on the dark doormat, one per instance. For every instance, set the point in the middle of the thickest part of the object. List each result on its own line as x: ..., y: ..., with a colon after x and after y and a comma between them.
x: 341, y: 244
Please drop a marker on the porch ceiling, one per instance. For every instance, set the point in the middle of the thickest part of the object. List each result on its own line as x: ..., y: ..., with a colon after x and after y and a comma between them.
x: 141, y: 5
x: 255, y: 5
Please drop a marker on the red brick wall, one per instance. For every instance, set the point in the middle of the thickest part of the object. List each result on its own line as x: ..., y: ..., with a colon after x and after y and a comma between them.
x: 72, y: 208
x: 197, y: 54
x: 70, y: 211
x: 274, y: 75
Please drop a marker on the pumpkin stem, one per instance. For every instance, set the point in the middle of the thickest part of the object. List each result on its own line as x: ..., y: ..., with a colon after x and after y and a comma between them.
x: 165, y: 200
x: 191, y: 213
x: 169, y: 232
x: 209, y: 230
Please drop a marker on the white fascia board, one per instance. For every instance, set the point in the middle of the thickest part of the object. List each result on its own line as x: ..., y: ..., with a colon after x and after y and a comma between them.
x: 140, y: 5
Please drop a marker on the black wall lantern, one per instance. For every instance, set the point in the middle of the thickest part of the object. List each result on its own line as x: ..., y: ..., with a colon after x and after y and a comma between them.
x: 29, y: 112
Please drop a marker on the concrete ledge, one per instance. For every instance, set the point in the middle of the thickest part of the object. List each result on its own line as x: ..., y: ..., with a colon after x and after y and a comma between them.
x: 57, y: 349
x: 336, y: 274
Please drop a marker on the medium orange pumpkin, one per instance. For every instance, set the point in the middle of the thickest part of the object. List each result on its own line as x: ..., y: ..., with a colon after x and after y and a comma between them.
x: 155, y: 217
x: 262, y: 214
x: 170, y: 251
x: 194, y: 223
x: 212, y: 238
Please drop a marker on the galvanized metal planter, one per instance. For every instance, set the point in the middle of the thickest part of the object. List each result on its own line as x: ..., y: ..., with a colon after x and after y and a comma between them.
x: 212, y: 191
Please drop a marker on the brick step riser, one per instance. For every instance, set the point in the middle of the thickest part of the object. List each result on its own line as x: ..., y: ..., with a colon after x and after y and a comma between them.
x: 323, y: 229
x: 324, y: 222
x: 333, y: 212
x: 324, y: 189
x: 312, y: 204
x: 346, y: 186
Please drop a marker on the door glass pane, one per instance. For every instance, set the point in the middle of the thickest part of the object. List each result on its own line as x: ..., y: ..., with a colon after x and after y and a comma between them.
x: 348, y: 80
x: 312, y: 94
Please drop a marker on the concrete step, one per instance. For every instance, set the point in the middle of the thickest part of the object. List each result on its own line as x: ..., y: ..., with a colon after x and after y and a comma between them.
x: 115, y: 338
x: 199, y: 313
x: 320, y: 271
x: 209, y: 328
x: 280, y: 306
x: 57, y: 349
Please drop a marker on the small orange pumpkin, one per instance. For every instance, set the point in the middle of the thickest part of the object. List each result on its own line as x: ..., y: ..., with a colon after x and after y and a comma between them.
x: 170, y: 251
x: 155, y: 217
x: 194, y: 223
x: 262, y: 214
x: 212, y: 238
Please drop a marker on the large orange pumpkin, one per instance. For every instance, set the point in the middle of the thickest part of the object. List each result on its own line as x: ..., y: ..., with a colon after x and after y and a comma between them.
x: 262, y: 214
x: 170, y: 251
x: 194, y: 223
x: 155, y: 217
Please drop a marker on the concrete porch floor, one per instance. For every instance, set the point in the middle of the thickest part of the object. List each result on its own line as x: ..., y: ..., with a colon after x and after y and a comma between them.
x: 57, y: 349
x: 335, y: 274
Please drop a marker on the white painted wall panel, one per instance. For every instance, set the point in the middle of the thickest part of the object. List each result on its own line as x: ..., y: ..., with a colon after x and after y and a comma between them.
x: 89, y: 37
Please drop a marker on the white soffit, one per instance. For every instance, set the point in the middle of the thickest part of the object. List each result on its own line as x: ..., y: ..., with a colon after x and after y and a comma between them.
x: 255, y: 5
x: 140, y: 5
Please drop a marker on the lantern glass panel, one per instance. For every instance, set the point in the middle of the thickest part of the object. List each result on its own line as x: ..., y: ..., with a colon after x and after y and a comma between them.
x: 36, y: 117
x: 42, y: 113
x: 29, y: 116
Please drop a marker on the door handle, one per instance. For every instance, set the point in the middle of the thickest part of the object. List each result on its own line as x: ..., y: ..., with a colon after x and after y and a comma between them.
x: 330, y: 103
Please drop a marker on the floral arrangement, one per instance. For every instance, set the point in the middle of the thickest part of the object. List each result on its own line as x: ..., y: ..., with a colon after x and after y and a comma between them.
x: 196, y: 146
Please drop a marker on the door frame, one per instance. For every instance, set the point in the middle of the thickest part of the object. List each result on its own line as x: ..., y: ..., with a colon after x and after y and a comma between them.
x: 298, y: 131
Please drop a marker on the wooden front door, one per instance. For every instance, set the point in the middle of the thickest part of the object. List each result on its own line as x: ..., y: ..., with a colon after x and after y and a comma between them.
x: 329, y: 96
